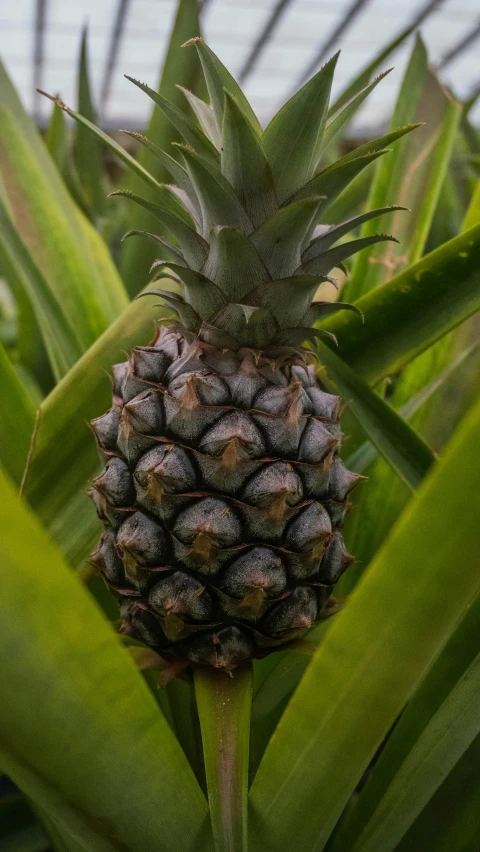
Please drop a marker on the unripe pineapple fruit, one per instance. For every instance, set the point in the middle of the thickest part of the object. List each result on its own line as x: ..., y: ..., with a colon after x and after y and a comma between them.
x: 223, y: 495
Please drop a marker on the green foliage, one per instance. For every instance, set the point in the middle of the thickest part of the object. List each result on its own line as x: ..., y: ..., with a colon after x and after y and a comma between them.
x: 365, y: 736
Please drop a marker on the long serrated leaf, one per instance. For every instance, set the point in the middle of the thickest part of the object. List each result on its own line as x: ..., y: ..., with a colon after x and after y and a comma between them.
x: 340, y: 713
x: 186, y: 127
x: 193, y: 246
x: 68, y: 830
x: 69, y: 252
x: 335, y: 232
x: 399, y: 444
x: 202, y: 294
x: 279, y: 240
x: 276, y: 677
x: 59, y: 335
x: 332, y: 181
x: 17, y: 420
x: 218, y: 202
x: 117, y: 149
x: 56, y: 483
x: 410, y: 312
x: 56, y: 138
x: 433, y: 714
x: 323, y: 263
x: 182, y: 67
x: 58, y: 144
x: 413, y: 175
x: 177, y: 171
x: 293, y: 138
x: 418, y: 168
x: 452, y: 817
x: 472, y: 216
x: 366, y: 452
x: 379, y: 144
x: 218, y: 79
x: 244, y: 164
x: 66, y: 728
x: 337, y: 121
x: 87, y: 150
x: 162, y: 245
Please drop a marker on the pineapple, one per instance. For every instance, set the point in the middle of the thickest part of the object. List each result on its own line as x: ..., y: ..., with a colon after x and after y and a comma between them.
x: 223, y: 494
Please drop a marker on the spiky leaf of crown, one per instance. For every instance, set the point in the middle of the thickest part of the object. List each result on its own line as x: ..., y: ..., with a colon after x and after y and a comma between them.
x: 246, y: 209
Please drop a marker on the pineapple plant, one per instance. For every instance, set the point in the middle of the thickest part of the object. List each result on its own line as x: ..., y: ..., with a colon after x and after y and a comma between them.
x: 366, y: 737
x: 223, y: 494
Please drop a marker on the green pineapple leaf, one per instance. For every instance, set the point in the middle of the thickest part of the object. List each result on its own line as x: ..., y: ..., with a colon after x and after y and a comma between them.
x: 61, y: 750
x: 17, y: 420
x: 218, y: 201
x: 405, y: 451
x: 177, y: 171
x: 414, y: 172
x: 58, y: 493
x: 244, y: 164
x: 243, y: 322
x: 292, y: 141
x: 366, y: 452
x: 233, y: 263
x: 175, y: 253
x: 362, y: 79
x: 319, y: 310
x: 280, y: 239
x: 337, y: 121
x: 60, y: 337
x: 178, y: 66
x: 205, y: 117
x: 186, y: 127
x: 408, y: 314
x: 186, y: 314
x: 423, y: 723
x: 288, y: 299
x: 379, y: 144
x: 330, y: 235
x: 202, y: 294
x: 107, y: 140
x: 348, y: 709
x: 330, y: 182
x: 193, y: 246
x: 169, y: 203
x: 451, y: 817
x: 327, y: 260
x: 68, y: 251
x: 87, y: 149
x: 218, y: 79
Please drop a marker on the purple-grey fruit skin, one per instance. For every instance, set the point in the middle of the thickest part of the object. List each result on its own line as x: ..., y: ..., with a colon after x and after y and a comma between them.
x: 222, y: 499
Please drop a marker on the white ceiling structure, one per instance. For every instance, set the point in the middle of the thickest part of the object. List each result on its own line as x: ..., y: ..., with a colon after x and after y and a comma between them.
x: 272, y: 45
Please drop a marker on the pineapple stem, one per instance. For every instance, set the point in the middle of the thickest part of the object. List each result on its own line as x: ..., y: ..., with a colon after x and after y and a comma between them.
x: 224, y: 705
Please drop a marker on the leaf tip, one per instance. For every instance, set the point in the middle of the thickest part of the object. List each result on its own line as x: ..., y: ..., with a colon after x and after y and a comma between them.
x: 192, y: 41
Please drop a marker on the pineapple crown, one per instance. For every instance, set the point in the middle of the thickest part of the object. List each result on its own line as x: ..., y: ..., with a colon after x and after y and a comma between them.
x: 245, y: 210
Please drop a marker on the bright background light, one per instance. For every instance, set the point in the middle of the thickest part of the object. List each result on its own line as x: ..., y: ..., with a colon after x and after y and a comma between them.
x: 50, y: 31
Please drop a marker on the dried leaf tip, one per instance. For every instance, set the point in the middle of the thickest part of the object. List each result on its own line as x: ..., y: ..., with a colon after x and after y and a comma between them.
x: 192, y: 41
x: 56, y: 100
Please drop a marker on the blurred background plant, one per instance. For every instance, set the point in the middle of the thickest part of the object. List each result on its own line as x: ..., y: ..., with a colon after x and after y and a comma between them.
x: 65, y: 316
